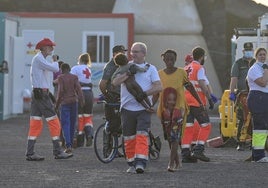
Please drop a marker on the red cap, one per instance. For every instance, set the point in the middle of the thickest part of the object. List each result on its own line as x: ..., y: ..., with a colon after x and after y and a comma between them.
x: 44, y: 42
x: 188, y: 58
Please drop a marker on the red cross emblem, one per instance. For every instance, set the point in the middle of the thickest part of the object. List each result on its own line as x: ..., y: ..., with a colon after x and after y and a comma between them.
x: 87, y: 73
x: 188, y: 70
x: 29, y: 45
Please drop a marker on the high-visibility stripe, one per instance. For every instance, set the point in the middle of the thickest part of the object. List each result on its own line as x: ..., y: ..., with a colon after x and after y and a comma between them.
x: 259, y: 139
x: 36, y: 117
x: 52, y: 118
x: 185, y: 146
x: 32, y: 137
x: 36, y: 126
x: 54, y: 127
x: 129, y: 137
x: 189, y: 125
x: 55, y: 138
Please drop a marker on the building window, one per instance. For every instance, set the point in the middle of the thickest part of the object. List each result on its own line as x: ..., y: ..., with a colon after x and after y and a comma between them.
x: 98, y: 45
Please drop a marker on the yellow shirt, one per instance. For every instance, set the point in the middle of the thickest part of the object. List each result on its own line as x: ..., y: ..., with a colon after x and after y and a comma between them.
x: 176, y: 80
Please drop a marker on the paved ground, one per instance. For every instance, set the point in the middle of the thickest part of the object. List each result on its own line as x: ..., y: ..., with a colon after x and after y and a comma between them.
x: 226, y: 169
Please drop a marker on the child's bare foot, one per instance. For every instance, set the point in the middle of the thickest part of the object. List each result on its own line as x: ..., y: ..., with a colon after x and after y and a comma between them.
x: 171, y: 169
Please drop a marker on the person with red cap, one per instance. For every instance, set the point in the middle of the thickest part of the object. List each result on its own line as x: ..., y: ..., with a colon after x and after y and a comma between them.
x: 41, y: 105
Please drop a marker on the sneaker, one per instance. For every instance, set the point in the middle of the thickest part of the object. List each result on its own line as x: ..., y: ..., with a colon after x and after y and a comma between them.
x: 139, y: 169
x: 263, y: 160
x: 131, y: 170
x: 35, y: 157
x: 63, y: 155
x: 200, y: 155
x: 189, y: 159
x: 68, y: 150
x: 89, y: 142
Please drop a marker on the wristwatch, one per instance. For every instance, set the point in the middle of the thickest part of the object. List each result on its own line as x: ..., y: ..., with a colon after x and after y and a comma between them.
x: 265, y: 66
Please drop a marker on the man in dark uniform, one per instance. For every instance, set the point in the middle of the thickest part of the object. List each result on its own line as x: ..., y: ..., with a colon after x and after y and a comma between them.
x: 238, y: 83
x: 111, y: 94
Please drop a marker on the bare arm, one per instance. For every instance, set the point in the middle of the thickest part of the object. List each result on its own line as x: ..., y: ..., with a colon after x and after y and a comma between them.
x: 233, y: 84
x: 204, y: 88
x: 189, y: 86
x: 103, y: 86
x: 156, y: 88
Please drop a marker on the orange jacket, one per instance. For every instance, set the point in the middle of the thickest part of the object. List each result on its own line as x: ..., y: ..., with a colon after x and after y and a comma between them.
x: 192, y: 71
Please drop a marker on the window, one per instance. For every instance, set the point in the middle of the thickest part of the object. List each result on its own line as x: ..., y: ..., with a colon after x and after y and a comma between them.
x: 98, y: 45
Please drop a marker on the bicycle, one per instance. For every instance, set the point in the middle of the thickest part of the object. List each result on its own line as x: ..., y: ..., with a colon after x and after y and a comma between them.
x: 108, y: 145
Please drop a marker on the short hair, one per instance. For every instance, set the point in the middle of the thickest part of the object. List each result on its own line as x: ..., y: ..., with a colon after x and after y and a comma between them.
x: 142, y: 45
x: 85, y: 59
x: 198, y: 52
x: 120, y: 59
x: 65, y: 67
x: 169, y: 51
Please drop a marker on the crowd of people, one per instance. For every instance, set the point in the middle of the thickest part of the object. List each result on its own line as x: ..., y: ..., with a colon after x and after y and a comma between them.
x: 182, y: 96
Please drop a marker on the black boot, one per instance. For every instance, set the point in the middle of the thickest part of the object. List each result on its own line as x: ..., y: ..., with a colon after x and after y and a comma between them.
x: 186, y: 156
x: 30, y: 155
x: 241, y: 146
x: 57, y: 151
x: 198, y: 153
x: 89, y: 132
x: 80, y: 139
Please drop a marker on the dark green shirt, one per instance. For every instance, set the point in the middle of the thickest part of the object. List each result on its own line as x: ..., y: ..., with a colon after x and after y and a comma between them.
x: 240, y: 70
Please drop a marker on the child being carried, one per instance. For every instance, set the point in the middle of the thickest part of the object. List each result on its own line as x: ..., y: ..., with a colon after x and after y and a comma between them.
x: 132, y: 86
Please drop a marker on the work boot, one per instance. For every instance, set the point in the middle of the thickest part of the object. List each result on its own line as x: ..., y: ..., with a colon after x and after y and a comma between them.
x: 58, y: 153
x: 80, y: 139
x: 35, y: 157
x: 186, y: 156
x: 241, y: 146
x: 30, y: 155
x: 89, y: 132
x: 198, y: 153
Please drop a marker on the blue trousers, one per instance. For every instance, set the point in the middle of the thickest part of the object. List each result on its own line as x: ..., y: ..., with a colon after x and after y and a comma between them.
x: 68, y: 113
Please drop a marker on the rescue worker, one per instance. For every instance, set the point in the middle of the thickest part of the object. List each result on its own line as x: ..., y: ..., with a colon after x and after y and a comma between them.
x: 197, y: 76
x: 135, y: 119
x: 238, y: 84
x: 257, y: 101
x: 41, y: 104
x: 85, y: 116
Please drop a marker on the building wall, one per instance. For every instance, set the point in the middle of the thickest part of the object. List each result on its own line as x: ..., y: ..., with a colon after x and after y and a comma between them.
x: 168, y: 24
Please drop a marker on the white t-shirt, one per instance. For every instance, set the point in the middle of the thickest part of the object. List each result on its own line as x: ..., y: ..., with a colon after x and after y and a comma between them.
x: 145, y: 80
x: 256, y: 71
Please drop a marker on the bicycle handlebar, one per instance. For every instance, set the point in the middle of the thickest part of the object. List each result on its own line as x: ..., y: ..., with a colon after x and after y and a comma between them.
x: 108, y: 103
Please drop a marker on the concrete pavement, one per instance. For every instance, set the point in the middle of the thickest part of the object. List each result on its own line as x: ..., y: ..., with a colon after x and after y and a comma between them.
x: 226, y: 169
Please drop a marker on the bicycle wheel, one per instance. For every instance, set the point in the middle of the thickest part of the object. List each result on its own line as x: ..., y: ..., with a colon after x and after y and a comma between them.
x: 105, y: 145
